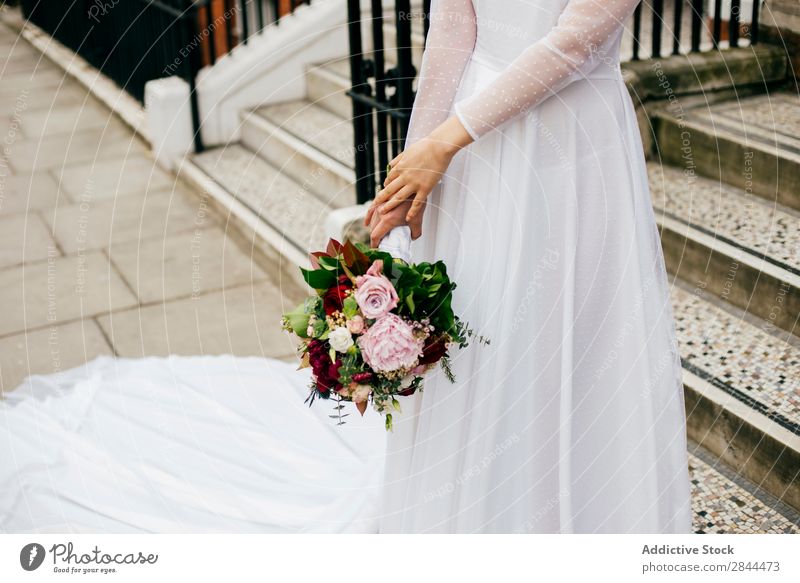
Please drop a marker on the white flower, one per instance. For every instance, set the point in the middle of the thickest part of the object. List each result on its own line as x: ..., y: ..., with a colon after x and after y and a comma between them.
x: 340, y: 339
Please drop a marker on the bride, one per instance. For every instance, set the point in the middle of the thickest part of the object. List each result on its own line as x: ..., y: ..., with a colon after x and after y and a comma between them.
x: 524, y: 172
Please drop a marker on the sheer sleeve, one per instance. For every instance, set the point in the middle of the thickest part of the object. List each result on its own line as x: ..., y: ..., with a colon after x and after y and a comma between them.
x: 577, y: 44
x: 451, y: 38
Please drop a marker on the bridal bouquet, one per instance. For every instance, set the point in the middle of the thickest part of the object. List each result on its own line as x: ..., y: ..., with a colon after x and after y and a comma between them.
x: 374, y: 326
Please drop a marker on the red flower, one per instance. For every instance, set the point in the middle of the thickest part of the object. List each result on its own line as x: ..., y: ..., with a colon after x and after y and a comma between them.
x: 333, y: 299
x: 362, y: 377
x: 326, y: 373
x: 433, y: 350
x: 407, y: 392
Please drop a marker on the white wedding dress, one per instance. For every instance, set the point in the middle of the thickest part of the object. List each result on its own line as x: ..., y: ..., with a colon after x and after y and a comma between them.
x: 571, y: 420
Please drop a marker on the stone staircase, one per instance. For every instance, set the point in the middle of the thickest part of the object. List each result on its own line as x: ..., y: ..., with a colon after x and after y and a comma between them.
x: 731, y: 236
x: 726, y: 196
x: 292, y: 166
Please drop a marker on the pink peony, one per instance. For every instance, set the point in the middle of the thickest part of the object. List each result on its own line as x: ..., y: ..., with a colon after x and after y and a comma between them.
x: 375, y: 294
x: 389, y: 344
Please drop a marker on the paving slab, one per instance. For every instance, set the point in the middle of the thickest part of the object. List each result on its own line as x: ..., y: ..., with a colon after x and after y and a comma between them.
x: 183, y: 265
x: 67, y: 119
x: 49, y: 350
x: 96, y: 223
x: 109, y: 178
x: 243, y: 321
x: 61, y: 151
x: 23, y: 193
x: 60, y: 290
x: 22, y: 58
x: 67, y: 93
x: 24, y: 238
x: 31, y: 80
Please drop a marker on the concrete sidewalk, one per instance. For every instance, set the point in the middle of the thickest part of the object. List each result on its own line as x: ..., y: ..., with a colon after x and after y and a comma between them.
x: 102, y: 252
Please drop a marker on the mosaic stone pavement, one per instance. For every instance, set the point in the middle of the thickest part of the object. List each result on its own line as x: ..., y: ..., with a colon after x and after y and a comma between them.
x: 775, y: 113
x: 724, y: 503
x: 738, y: 353
x: 727, y: 212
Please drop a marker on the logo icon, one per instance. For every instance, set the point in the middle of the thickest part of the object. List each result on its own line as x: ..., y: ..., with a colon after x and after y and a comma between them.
x: 31, y: 556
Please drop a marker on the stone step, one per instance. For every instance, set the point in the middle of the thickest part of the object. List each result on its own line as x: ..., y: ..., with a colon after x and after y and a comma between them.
x: 730, y: 243
x: 327, y: 84
x: 280, y: 215
x: 308, y: 144
x: 724, y: 502
x: 742, y: 390
x: 751, y: 143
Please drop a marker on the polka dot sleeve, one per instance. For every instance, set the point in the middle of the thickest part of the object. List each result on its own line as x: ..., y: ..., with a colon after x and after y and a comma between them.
x: 449, y: 45
x: 577, y: 44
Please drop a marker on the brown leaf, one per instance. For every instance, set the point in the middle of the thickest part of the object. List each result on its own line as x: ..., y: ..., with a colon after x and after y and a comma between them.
x: 334, y: 247
x: 362, y: 406
x: 314, y: 258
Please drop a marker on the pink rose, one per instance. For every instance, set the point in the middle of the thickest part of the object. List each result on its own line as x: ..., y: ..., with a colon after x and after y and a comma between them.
x: 355, y: 324
x: 375, y: 294
x: 389, y: 344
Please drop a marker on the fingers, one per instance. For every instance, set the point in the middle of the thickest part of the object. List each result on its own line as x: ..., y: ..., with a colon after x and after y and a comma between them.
x: 392, y: 175
x: 370, y: 213
x: 393, y: 170
x: 379, y: 199
x: 397, y: 199
x: 388, y: 192
x: 379, y: 232
x: 416, y: 229
x: 417, y: 206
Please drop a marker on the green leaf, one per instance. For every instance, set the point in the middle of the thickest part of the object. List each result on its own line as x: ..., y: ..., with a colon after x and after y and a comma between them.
x: 321, y: 328
x: 330, y: 263
x: 410, y: 302
x: 388, y: 422
x: 350, y: 306
x: 319, y: 279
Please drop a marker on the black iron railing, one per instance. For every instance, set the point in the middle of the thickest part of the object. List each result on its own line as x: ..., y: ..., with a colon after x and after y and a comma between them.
x: 722, y: 27
x: 134, y: 42
x: 382, y: 95
x: 382, y: 78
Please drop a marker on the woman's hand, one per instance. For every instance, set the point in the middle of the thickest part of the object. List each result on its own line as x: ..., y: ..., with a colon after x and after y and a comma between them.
x: 417, y: 170
x: 382, y: 223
